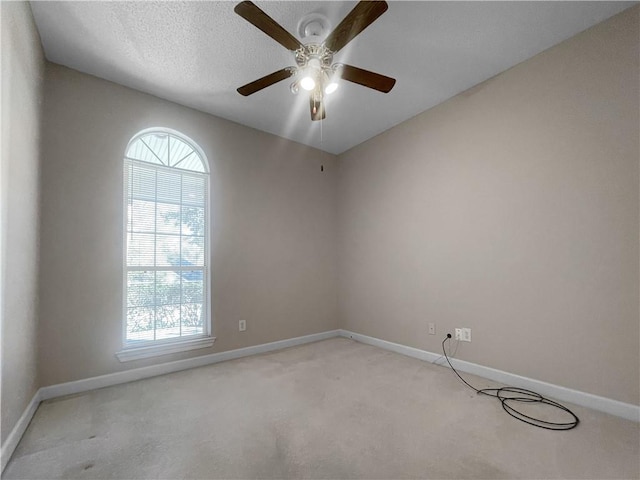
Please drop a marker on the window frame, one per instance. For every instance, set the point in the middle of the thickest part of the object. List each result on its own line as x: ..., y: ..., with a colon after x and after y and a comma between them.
x: 151, y: 348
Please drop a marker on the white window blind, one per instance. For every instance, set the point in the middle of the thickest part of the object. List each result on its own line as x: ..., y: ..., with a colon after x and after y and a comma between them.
x: 166, y: 230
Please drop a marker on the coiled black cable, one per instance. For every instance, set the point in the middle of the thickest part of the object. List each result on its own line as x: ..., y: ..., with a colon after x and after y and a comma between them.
x: 509, y: 396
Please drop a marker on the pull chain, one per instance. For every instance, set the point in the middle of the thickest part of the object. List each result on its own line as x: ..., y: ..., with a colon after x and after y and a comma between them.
x: 321, y: 149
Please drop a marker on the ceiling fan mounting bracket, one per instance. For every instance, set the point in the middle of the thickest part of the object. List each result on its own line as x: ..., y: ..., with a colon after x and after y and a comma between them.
x: 314, y: 26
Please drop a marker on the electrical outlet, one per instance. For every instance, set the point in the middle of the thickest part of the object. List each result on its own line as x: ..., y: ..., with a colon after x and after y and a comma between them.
x: 466, y: 334
x: 242, y: 325
x: 463, y: 334
x: 432, y: 328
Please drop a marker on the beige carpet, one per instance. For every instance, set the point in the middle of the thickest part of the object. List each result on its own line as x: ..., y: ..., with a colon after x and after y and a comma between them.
x: 332, y: 409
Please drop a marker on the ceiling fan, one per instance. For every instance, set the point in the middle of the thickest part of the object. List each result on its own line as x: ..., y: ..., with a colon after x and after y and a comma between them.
x: 314, y: 61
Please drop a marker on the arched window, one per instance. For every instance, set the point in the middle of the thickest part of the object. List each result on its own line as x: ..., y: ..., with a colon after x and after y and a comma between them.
x: 166, y: 215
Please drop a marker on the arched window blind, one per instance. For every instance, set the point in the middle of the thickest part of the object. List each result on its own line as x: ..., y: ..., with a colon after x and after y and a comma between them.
x: 166, y: 185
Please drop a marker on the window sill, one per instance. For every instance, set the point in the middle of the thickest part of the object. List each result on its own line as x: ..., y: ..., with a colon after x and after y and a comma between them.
x: 129, y: 354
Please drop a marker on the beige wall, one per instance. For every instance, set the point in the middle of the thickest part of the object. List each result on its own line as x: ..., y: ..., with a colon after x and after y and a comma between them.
x: 273, y: 235
x: 511, y: 209
x: 22, y: 69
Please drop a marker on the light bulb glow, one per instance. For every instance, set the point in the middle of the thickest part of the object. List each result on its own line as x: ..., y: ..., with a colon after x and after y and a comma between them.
x: 332, y: 87
x: 308, y: 83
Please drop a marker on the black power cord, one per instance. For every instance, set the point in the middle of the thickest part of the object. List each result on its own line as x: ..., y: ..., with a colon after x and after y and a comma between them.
x: 509, y: 396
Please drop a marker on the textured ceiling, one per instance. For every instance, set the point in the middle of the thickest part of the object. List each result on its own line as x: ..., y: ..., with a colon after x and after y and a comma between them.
x: 198, y: 53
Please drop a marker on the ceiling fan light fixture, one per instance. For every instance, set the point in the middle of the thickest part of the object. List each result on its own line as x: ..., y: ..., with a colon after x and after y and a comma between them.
x: 331, y: 87
x: 308, y: 83
x: 312, y: 73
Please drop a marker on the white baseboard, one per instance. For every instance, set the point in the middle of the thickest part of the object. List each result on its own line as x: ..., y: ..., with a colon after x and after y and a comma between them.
x: 20, y: 427
x: 602, y: 404
x: 117, y: 378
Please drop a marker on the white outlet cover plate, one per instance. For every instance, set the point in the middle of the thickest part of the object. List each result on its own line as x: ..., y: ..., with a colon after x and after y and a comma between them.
x: 466, y: 335
x: 463, y: 334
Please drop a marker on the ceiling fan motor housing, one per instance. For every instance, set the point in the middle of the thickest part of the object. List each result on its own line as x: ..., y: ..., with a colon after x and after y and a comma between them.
x: 315, y: 55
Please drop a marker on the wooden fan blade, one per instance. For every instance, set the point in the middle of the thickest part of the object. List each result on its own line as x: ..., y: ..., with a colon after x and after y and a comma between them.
x: 265, y: 81
x: 363, y: 15
x: 317, y: 109
x: 252, y: 14
x: 367, y: 78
